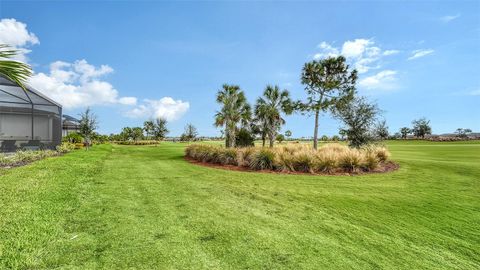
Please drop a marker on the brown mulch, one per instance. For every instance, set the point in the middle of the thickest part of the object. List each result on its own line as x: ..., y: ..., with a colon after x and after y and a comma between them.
x: 385, y: 167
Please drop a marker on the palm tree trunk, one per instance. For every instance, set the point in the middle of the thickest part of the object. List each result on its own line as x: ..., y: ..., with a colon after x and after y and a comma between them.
x: 315, y: 131
x: 263, y: 139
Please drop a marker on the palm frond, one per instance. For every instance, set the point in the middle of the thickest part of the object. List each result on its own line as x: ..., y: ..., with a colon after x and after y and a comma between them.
x: 15, y: 71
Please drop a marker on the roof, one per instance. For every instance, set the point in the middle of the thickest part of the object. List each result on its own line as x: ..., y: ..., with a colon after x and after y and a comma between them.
x: 6, y: 82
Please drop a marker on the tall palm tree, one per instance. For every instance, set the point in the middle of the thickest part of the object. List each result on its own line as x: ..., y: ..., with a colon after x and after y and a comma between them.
x: 235, y: 110
x: 269, y: 109
x: 15, y: 71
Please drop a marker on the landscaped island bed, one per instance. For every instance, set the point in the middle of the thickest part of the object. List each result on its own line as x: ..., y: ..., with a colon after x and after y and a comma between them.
x: 331, y: 158
x: 145, y: 207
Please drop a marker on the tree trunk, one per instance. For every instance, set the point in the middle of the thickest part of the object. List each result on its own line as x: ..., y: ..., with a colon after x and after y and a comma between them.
x: 263, y: 139
x: 315, y: 131
x: 271, y: 137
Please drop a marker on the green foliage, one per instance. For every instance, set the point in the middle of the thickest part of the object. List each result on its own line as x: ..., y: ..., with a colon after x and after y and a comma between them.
x: 381, y: 130
x: 262, y: 160
x: 235, y: 110
x: 269, y: 109
x: 149, y: 127
x: 421, y: 127
x: 88, y: 125
x: 15, y: 71
x: 280, y: 138
x: 73, y: 138
x: 463, y: 132
x: 358, y: 119
x: 324, y: 138
x: 190, y: 133
x: 160, y: 129
x: 404, y: 131
x: 288, y: 134
x: 329, y: 84
x: 244, y: 138
x: 66, y: 147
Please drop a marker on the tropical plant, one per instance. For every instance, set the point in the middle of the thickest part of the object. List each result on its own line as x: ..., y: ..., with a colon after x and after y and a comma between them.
x: 148, y: 127
x: 244, y: 138
x: 160, y: 130
x: 288, y: 134
x: 404, y: 131
x: 235, y: 110
x: 137, y: 133
x: 88, y: 125
x: 280, y: 138
x: 269, y: 109
x: 15, y: 71
x: 421, y: 127
x: 329, y: 84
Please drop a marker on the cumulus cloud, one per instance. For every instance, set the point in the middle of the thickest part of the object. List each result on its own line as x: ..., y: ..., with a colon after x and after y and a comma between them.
x: 78, y: 84
x: 165, y: 107
x: 363, y: 53
x: 420, y: 53
x: 383, y: 80
x: 449, y: 18
x: 16, y: 35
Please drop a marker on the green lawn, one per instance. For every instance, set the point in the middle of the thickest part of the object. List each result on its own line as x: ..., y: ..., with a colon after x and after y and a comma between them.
x: 119, y: 207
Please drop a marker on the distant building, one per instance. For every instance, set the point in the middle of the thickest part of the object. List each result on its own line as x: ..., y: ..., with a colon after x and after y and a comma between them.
x: 28, y: 119
x: 70, y: 125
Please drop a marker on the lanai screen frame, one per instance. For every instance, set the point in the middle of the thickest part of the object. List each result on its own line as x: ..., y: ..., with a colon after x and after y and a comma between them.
x: 35, y: 101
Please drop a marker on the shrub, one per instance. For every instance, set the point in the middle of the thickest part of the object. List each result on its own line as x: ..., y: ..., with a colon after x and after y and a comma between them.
x: 294, y: 158
x: 350, y: 160
x: 263, y: 160
x: 244, y: 138
x: 73, y: 138
x: 228, y: 156
x: 326, y: 161
x: 65, y: 147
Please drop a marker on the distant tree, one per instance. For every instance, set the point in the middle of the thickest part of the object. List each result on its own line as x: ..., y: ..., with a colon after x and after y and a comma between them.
x: 335, y: 138
x: 148, y: 127
x: 381, y: 130
x: 288, y: 134
x: 329, y: 84
x: 324, y: 138
x: 15, y: 71
x: 463, y: 132
x: 358, y: 119
x: 160, y: 130
x: 235, y: 110
x: 342, y: 133
x: 280, y: 138
x: 404, y: 131
x: 190, y: 133
x: 137, y: 133
x: 421, y: 127
x: 126, y: 134
x: 269, y: 109
x: 88, y: 125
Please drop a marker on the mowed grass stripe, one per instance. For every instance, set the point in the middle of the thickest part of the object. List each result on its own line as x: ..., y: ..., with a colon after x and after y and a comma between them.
x: 119, y: 207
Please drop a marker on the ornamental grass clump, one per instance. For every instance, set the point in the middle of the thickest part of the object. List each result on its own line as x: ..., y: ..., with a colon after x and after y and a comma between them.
x: 330, y: 158
x: 263, y: 160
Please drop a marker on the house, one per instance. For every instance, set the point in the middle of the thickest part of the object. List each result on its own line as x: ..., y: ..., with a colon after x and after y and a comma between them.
x: 28, y: 119
x: 70, y: 125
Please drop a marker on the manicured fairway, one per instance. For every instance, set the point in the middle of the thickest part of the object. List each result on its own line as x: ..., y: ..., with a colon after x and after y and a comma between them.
x: 119, y: 207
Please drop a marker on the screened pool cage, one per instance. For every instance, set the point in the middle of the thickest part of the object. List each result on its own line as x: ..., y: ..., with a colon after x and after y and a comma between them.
x: 28, y: 119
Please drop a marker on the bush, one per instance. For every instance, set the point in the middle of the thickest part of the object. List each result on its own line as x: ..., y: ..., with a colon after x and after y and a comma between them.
x: 65, y: 147
x: 294, y: 157
x: 244, y: 138
x: 263, y: 160
x: 73, y: 138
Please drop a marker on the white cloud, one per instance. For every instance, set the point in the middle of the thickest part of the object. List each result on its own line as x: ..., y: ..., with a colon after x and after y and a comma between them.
x: 165, y: 107
x: 420, y: 53
x: 128, y: 100
x: 16, y: 35
x: 78, y: 84
x: 449, y: 18
x: 383, y: 80
x: 362, y: 53
x: 390, y: 52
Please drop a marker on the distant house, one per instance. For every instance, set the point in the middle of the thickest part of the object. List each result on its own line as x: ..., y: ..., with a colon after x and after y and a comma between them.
x: 28, y: 119
x: 70, y: 125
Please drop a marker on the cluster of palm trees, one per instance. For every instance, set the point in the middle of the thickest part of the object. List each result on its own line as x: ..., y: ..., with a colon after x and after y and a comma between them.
x: 265, y: 120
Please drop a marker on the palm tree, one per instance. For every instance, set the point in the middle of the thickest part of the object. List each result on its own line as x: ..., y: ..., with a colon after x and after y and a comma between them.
x: 269, y: 109
x: 15, y: 71
x: 235, y: 109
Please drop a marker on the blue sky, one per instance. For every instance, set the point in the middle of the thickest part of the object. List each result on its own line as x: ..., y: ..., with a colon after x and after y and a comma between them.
x: 133, y: 60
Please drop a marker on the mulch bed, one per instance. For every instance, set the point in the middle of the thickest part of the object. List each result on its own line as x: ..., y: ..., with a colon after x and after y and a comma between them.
x: 388, y: 166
